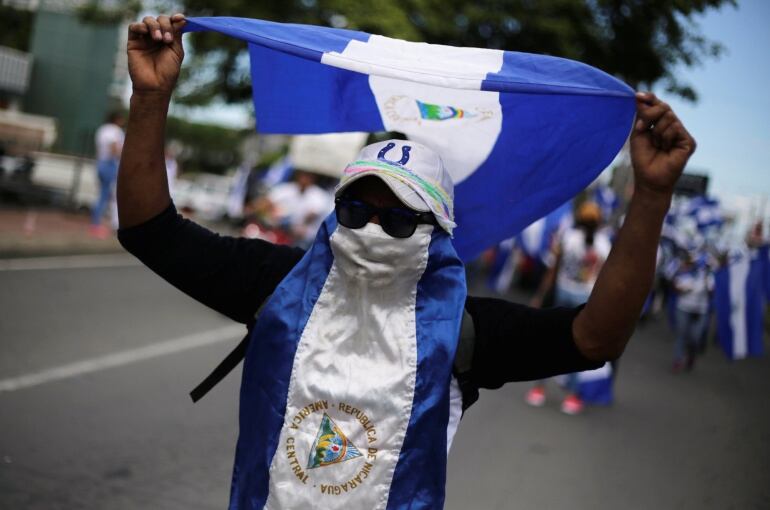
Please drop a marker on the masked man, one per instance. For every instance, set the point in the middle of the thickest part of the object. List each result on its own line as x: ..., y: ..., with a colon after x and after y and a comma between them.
x: 357, y: 371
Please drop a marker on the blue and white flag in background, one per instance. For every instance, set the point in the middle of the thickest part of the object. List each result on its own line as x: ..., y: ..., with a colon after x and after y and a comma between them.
x: 706, y: 212
x: 764, y: 253
x: 503, y: 267
x: 607, y: 200
x: 739, y: 304
x: 519, y: 133
x: 595, y: 386
x: 537, y: 239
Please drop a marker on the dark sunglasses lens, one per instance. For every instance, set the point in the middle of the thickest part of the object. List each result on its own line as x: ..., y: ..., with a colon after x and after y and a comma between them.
x: 352, y: 214
x: 398, y: 223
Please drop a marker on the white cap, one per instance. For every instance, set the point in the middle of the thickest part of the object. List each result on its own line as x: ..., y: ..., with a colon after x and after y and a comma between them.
x: 412, y: 171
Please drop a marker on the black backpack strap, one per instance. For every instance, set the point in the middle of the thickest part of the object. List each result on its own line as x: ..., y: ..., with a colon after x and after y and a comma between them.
x: 464, y: 361
x: 228, y: 364
x: 220, y: 372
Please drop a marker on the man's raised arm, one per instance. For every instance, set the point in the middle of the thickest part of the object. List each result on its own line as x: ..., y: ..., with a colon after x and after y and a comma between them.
x: 155, y: 56
x: 660, y: 148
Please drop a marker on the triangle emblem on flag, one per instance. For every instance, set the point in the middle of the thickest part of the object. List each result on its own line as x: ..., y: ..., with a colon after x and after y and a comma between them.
x: 331, y: 446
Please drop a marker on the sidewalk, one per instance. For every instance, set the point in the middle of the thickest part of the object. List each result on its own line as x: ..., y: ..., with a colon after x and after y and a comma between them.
x: 33, y: 232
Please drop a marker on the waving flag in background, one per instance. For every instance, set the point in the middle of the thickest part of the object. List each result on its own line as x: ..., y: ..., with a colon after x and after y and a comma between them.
x: 705, y: 211
x: 520, y: 134
x: 503, y: 267
x: 739, y: 304
x: 535, y: 241
x: 595, y: 386
x: 607, y: 200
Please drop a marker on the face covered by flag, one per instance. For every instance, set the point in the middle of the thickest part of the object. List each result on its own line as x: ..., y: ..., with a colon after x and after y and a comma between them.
x: 345, y: 398
x: 520, y: 134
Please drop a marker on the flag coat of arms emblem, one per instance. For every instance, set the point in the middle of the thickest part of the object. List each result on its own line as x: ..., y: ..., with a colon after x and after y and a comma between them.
x: 330, y: 446
x: 520, y: 134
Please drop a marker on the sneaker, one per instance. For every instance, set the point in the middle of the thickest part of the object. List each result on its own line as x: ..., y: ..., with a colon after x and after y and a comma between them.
x: 572, y: 405
x: 536, y: 396
x: 99, y: 231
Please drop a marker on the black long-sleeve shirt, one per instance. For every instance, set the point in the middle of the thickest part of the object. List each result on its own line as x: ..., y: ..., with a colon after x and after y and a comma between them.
x: 234, y: 276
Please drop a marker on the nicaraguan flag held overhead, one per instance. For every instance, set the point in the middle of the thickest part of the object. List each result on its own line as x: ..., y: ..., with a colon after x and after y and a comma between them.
x: 520, y: 134
x: 739, y: 304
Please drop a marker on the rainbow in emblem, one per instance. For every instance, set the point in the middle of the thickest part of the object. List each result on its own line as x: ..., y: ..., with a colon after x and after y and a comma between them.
x: 331, y: 446
x: 438, y: 112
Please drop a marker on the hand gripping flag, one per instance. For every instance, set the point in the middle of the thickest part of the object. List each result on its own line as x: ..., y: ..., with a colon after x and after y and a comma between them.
x: 520, y: 134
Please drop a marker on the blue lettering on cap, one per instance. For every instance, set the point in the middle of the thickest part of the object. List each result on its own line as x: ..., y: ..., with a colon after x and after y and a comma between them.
x: 404, y: 154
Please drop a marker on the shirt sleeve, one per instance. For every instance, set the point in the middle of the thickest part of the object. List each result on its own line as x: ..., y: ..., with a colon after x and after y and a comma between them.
x: 231, y: 275
x: 514, y: 342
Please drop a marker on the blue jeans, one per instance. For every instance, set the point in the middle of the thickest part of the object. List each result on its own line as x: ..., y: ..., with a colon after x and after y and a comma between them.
x: 690, y: 329
x: 107, y: 171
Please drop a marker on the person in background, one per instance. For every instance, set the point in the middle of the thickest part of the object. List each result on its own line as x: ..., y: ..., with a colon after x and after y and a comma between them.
x: 755, y: 237
x: 109, y: 145
x: 693, y: 283
x: 578, y: 256
x: 300, y: 206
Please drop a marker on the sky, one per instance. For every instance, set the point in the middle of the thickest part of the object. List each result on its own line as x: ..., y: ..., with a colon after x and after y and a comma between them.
x: 730, y: 121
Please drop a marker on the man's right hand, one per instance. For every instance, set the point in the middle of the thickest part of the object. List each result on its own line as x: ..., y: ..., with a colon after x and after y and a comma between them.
x: 155, y: 53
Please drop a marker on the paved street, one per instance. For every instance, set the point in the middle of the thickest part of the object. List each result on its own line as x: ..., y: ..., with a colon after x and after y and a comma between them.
x: 96, y: 363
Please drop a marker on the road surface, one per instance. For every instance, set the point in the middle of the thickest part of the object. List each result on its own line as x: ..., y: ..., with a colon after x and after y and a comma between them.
x: 98, y: 355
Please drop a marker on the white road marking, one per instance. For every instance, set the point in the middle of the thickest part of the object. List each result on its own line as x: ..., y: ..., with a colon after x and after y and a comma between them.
x: 69, y: 262
x: 118, y: 359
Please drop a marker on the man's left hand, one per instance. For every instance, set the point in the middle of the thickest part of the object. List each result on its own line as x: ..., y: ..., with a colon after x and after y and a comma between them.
x: 660, y: 145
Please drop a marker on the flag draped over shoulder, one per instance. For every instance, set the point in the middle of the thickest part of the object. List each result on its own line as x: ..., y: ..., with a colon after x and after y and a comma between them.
x: 519, y: 133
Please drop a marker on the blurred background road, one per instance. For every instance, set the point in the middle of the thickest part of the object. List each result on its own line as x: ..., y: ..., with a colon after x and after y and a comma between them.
x: 127, y: 436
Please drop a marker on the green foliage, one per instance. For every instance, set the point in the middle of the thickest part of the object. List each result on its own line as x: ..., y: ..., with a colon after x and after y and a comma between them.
x: 15, y: 27
x: 94, y: 12
x: 642, y: 42
x: 205, y: 147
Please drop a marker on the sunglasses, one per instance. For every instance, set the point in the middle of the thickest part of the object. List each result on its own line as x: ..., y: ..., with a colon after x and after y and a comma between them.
x: 397, y: 222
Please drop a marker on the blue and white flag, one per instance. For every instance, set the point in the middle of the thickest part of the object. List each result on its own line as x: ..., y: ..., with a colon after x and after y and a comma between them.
x: 706, y: 212
x: 519, y: 133
x: 607, y: 200
x: 764, y: 254
x: 537, y: 239
x: 739, y: 303
x: 280, y: 171
x: 503, y: 267
x: 595, y: 386
x: 347, y: 397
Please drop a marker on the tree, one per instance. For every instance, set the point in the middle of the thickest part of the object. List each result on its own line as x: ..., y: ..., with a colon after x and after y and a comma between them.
x: 205, y: 147
x: 642, y: 42
x: 15, y: 27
